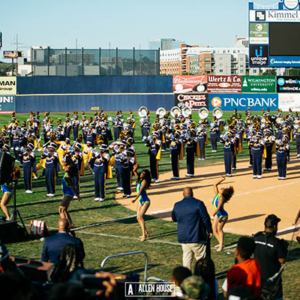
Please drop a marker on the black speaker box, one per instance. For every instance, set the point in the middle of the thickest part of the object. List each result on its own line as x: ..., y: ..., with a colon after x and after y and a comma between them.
x: 9, y: 232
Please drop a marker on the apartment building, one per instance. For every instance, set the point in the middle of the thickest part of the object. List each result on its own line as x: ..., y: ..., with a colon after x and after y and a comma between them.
x: 204, y: 60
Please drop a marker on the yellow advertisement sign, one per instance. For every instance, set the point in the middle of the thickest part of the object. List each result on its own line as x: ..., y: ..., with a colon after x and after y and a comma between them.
x: 8, y: 85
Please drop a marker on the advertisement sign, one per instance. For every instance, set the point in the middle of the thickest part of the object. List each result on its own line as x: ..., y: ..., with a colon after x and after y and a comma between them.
x: 256, y: 102
x: 274, y: 16
x: 284, y: 61
x: 192, y: 100
x: 259, y: 33
x: 7, y: 104
x: 189, y: 84
x: 12, y: 54
x: 224, y: 84
x: 259, y: 55
x: 258, y: 84
x: 8, y: 85
x: 288, y: 84
x: 289, y: 101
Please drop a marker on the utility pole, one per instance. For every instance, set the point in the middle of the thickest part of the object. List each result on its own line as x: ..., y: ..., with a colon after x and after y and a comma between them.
x: 17, y: 43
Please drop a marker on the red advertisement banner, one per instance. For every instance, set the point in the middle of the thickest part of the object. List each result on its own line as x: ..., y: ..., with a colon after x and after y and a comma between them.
x: 224, y: 84
x: 189, y: 84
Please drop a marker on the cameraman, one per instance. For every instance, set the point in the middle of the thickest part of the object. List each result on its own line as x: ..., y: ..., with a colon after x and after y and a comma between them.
x: 271, y: 253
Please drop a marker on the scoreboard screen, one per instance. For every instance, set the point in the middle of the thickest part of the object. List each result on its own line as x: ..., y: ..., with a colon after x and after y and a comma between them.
x: 284, y: 39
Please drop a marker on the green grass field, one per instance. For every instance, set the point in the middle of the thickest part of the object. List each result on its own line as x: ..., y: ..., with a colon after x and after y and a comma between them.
x: 121, y: 234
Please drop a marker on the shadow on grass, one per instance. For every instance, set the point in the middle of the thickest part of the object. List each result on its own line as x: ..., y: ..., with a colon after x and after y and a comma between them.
x: 70, y: 211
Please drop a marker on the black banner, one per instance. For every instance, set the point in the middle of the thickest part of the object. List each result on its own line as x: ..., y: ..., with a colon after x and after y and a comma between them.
x: 288, y: 84
x: 259, y: 55
x: 193, y: 101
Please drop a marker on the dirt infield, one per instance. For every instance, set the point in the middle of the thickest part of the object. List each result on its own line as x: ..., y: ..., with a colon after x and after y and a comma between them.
x: 253, y: 200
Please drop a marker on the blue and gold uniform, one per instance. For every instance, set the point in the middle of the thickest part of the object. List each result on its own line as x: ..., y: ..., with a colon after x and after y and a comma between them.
x: 282, y: 157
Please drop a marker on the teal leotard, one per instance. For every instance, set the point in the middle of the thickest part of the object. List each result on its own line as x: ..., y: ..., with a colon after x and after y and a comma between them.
x: 143, y: 197
x: 67, y: 190
x: 222, y: 212
x: 6, y: 189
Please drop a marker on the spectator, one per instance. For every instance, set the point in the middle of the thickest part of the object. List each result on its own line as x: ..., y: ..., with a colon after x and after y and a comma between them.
x: 53, y: 245
x: 6, y: 265
x: 70, y: 261
x: 271, y: 253
x: 205, y: 268
x: 246, y: 273
x: 178, y: 275
x: 195, y: 288
x: 193, y: 227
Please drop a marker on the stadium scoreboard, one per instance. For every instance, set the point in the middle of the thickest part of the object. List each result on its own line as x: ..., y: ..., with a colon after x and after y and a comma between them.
x: 274, y: 35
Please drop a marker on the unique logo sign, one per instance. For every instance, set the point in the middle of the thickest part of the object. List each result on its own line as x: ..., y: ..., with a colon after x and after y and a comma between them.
x: 259, y: 55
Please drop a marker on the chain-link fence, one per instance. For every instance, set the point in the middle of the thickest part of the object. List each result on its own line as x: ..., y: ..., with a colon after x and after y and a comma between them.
x: 88, y: 62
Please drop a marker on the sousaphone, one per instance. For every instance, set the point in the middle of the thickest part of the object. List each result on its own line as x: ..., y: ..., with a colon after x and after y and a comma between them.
x: 203, y: 113
x: 218, y: 113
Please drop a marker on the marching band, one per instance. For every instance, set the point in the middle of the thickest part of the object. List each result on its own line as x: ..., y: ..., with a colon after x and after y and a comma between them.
x: 96, y: 149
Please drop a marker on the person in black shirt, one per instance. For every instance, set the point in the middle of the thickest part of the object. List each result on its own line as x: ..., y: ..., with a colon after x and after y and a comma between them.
x: 271, y: 253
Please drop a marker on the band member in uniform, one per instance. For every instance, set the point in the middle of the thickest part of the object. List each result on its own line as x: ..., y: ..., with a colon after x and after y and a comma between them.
x: 99, y: 163
x: 282, y: 147
x: 227, y: 140
x: 51, y: 163
x: 28, y: 158
x: 144, y: 182
x: 75, y: 125
x: 191, y: 151
x: 269, y: 148
x: 220, y: 216
x: 68, y: 190
x: 154, y: 154
x: 214, y: 136
x: 176, y: 149
x: 257, y: 145
x: 203, y: 141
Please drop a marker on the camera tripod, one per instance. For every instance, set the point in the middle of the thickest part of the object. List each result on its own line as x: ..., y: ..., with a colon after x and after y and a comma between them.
x: 15, y: 214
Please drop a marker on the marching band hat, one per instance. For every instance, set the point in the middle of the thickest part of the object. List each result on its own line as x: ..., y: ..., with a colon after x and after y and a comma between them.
x: 155, y: 133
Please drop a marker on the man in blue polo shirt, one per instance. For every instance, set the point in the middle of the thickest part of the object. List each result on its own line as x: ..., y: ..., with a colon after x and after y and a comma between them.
x: 53, y: 245
x: 193, y: 227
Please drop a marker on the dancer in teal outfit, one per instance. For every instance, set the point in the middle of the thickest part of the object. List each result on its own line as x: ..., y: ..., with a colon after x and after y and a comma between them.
x: 143, y: 184
x: 68, y: 189
x: 220, y: 215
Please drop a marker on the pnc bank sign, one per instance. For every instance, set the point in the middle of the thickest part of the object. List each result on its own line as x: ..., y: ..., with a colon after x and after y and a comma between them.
x: 257, y: 102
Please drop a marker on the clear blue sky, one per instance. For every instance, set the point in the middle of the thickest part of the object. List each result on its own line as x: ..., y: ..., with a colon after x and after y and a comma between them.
x: 123, y: 23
